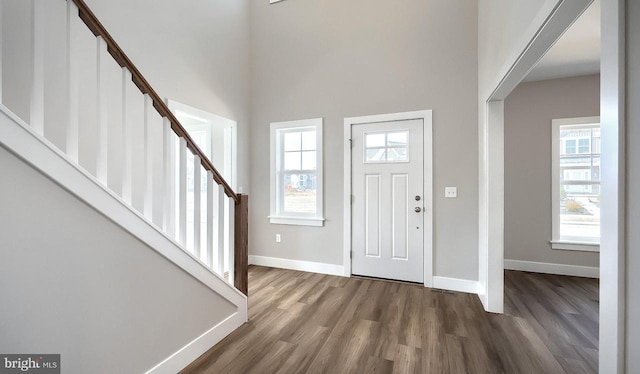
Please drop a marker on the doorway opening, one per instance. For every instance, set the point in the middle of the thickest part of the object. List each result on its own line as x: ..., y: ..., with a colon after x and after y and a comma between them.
x: 492, y: 167
x: 552, y: 169
x: 216, y: 136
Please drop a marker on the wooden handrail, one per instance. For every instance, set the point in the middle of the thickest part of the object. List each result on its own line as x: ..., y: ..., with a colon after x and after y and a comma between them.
x: 89, y: 19
x: 241, y: 246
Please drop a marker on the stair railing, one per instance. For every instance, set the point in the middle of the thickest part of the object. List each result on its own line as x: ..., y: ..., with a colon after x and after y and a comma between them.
x: 217, y: 232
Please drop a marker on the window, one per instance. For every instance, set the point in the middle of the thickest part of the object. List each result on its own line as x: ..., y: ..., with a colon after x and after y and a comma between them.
x: 296, y: 173
x: 387, y: 146
x: 576, y: 184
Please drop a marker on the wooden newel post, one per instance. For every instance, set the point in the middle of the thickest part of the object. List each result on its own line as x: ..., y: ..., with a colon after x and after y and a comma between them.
x: 241, y: 238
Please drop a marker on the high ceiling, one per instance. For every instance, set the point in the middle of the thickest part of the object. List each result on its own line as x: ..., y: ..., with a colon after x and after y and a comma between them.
x: 576, y: 53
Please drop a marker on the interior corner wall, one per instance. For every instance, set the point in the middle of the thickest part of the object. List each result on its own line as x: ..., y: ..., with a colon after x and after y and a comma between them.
x: 194, y: 52
x: 337, y: 59
x: 633, y: 185
x: 529, y: 110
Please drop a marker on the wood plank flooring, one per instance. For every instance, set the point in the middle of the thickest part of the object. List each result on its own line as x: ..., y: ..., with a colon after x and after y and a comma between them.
x: 312, y: 323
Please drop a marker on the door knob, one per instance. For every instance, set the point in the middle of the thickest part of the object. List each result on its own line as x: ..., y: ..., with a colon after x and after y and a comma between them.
x: 418, y: 209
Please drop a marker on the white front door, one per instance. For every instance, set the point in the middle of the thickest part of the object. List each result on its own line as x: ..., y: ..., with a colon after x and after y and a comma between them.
x: 387, y: 208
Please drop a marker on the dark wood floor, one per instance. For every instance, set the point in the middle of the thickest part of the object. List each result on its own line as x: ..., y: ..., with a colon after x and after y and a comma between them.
x: 311, y: 323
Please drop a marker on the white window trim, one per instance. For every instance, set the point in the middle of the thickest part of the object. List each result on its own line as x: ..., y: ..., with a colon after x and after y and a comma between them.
x: 302, y: 220
x: 555, y: 241
x: 575, y: 246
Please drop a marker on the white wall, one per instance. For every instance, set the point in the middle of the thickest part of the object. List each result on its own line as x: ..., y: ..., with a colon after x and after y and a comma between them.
x: 633, y: 185
x: 337, y: 59
x: 529, y: 110
x: 75, y: 283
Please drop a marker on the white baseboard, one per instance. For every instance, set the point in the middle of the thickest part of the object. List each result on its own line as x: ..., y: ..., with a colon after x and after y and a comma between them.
x: 190, y: 352
x: 547, y: 268
x: 456, y: 284
x: 284, y: 263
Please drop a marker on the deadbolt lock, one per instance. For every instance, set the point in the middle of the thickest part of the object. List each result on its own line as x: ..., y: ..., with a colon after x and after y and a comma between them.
x: 418, y: 209
x: 417, y: 197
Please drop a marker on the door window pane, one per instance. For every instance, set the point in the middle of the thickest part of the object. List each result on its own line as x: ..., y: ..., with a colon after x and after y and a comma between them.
x: 390, y: 146
x: 375, y: 155
x: 397, y: 154
x: 397, y: 138
x: 375, y: 140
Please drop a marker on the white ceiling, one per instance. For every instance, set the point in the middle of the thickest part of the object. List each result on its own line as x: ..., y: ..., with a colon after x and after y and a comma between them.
x: 577, y: 52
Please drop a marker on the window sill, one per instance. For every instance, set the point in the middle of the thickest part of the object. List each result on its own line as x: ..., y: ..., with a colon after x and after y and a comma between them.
x: 575, y: 246
x: 298, y: 221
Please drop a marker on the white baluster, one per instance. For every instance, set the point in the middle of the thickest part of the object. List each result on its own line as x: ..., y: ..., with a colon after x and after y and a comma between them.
x: 147, y: 159
x: 73, y: 114
x: 168, y: 160
x: 220, y: 227
x: 230, y: 233
x: 196, y: 205
x: 36, y: 117
x: 127, y: 141
x: 103, y: 126
x: 210, y: 221
x: 182, y: 200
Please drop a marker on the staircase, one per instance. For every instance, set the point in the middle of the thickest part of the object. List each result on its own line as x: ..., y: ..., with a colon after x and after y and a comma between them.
x: 83, y: 132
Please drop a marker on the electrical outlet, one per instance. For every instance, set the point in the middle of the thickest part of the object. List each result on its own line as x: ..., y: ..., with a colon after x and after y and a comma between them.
x: 278, y: 238
x: 451, y: 192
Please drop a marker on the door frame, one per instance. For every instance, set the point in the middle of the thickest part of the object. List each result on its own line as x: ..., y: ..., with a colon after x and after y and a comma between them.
x: 230, y: 130
x: 426, y: 117
x: 491, y: 153
x: 612, y: 114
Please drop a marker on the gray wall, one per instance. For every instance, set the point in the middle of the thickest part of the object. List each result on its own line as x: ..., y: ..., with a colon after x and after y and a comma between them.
x: 74, y: 283
x: 633, y: 186
x: 529, y: 110
x: 337, y: 59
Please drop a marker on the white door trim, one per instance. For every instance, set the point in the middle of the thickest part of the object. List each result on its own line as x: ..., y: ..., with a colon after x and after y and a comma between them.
x: 491, y: 142
x: 426, y: 116
x: 491, y: 153
x: 230, y: 138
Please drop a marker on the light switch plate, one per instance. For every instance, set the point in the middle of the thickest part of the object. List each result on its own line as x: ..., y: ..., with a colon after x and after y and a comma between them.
x: 451, y: 192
